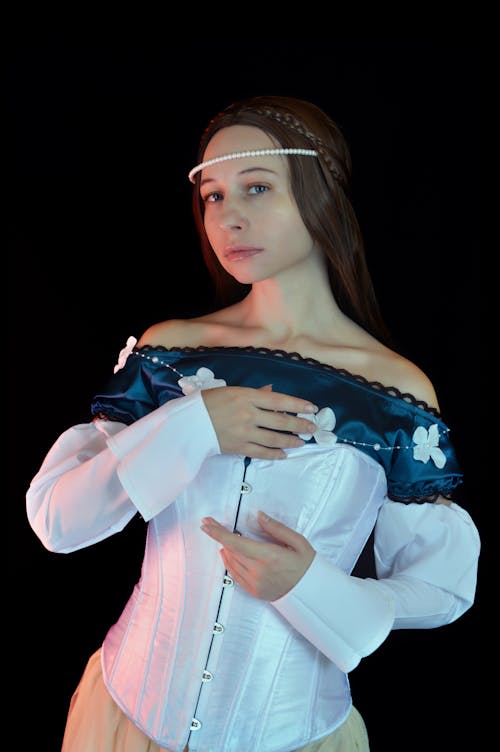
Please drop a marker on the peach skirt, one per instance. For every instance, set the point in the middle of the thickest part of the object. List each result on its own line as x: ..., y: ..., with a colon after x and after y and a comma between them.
x: 96, y: 724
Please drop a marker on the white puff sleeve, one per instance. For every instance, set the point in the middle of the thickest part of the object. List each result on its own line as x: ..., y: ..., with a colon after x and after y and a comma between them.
x: 426, y: 563
x: 97, y: 476
x: 426, y: 557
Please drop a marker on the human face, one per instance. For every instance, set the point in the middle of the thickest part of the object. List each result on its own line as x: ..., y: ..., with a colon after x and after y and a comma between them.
x: 251, y: 219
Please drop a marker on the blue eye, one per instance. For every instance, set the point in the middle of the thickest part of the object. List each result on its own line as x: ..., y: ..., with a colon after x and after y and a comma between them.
x: 212, y: 197
x: 259, y: 188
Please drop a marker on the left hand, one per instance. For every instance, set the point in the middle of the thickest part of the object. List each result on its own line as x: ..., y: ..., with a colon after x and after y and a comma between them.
x: 265, y: 570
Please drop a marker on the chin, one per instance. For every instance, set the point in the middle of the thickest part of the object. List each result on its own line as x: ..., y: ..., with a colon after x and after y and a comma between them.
x: 249, y: 279
x: 244, y: 277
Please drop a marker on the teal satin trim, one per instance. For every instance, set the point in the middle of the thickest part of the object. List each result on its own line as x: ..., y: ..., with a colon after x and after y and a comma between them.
x: 374, y: 419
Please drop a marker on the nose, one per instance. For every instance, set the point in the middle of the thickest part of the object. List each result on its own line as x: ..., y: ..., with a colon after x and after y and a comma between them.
x: 232, y: 217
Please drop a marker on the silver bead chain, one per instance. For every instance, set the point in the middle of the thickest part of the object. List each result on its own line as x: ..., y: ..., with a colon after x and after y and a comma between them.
x: 377, y: 447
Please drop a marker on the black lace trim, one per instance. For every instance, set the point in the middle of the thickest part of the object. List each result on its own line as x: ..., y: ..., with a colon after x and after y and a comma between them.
x: 392, y: 391
x: 420, y: 499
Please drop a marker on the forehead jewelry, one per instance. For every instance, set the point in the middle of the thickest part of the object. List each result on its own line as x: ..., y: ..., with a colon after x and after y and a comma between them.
x: 252, y: 153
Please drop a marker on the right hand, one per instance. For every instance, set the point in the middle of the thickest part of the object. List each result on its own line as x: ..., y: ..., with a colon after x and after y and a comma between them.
x: 252, y: 422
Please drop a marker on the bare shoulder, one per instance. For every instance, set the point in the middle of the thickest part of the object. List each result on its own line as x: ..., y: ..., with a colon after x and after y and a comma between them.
x: 363, y: 355
x: 407, y: 377
x: 173, y: 333
x: 212, y: 329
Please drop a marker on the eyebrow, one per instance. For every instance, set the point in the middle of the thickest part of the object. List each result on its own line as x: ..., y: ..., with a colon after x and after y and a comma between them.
x: 242, y: 172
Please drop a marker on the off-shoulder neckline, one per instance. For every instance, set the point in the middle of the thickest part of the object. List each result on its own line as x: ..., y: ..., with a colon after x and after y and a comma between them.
x: 296, y: 357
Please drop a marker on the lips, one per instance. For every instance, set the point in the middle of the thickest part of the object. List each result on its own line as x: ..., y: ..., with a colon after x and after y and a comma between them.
x: 241, y: 252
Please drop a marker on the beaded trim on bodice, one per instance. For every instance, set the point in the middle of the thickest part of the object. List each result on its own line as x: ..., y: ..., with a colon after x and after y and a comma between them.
x: 295, y: 356
x: 412, y: 448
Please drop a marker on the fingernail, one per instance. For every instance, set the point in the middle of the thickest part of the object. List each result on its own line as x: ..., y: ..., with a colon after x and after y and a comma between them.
x: 310, y: 408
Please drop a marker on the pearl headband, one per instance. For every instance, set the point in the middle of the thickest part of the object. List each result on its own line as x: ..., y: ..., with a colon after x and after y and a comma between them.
x: 255, y: 153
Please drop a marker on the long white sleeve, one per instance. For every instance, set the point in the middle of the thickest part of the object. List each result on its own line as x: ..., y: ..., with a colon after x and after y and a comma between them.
x: 98, y: 475
x: 343, y: 616
x: 426, y: 556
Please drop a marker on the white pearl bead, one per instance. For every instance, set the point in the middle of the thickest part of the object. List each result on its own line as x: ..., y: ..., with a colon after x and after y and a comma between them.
x: 250, y: 153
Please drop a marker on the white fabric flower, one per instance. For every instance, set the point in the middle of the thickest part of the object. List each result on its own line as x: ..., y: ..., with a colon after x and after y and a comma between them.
x: 122, y: 357
x: 325, y: 421
x: 427, y: 446
x: 203, y: 379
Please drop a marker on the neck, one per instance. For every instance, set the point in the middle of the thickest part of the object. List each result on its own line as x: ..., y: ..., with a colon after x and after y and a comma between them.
x: 291, y: 308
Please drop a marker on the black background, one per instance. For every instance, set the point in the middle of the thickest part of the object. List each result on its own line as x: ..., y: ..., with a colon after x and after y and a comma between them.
x: 103, y: 245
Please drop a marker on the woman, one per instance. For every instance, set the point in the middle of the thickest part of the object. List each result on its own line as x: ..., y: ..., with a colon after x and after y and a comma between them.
x: 263, y: 444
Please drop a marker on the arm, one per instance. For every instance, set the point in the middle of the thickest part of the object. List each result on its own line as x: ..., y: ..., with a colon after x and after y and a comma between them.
x: 97, y: 476
x: 344, y: 617
x: 426, y: 557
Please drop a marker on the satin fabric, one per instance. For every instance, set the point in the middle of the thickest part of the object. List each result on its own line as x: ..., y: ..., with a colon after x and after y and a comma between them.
x: 190, y: 646
x: 96, y: 724
x: 372, y: 417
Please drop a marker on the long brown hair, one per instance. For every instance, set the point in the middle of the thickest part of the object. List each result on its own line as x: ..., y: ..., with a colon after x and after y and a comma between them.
x: 321, y: 188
